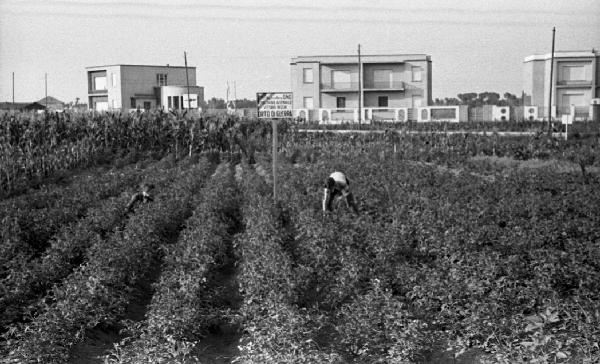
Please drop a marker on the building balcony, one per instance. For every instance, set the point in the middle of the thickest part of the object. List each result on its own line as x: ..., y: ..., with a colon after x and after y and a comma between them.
x: 339, y: 86
x: 97, y: 92
x: 572, y: 83
x: 367, y: 86
x: 384, y: 86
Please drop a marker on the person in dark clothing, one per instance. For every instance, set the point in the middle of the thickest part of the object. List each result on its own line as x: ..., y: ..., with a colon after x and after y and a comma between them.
x: 144, y: 196
x: 337, y: 186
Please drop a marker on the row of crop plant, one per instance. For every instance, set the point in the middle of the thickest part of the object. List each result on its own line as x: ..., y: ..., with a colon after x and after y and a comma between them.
x: 67, y: 248
x: 98, y: 291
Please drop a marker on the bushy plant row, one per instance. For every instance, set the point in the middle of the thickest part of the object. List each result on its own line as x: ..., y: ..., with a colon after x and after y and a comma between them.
x: 68, y: 246
x: 26, y: 230
x: 181, y: 310
x: 504, y: 266
x: 29, y: 221
x: 98, y: 291
x: 488, y: 126
x: 338, y: 263
x: 445, y: 149
x: 276, y: 330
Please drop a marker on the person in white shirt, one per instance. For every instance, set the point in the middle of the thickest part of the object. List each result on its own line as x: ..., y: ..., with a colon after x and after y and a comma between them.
x: 337, y: 186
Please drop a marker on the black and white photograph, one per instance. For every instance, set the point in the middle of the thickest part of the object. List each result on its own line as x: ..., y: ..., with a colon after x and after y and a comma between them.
x: 299, y: 182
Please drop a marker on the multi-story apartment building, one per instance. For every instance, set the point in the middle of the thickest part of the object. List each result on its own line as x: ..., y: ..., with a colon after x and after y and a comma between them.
x: 574, y: 82
x: 381, y: 86
x: 126, y: 87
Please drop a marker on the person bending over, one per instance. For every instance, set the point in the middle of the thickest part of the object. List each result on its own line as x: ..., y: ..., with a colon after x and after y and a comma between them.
x: 144, y: 196
x: 338, y: 186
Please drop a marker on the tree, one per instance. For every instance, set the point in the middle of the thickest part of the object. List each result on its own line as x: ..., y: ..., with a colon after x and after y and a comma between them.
x: 468, y: 98
x: 245, y: 103
x: 215, y: 103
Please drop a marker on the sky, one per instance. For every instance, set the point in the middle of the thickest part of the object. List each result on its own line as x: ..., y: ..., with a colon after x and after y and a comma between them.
x: 475, y: 45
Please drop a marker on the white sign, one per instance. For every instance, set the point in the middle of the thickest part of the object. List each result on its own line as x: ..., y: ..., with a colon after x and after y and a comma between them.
x: 193, y: 101
x: 272, y: 105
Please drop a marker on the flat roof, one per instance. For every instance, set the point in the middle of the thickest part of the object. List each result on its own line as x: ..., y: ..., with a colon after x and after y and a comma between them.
x: 366, y: 58
x: 561, y: 54
x: 138, y: 65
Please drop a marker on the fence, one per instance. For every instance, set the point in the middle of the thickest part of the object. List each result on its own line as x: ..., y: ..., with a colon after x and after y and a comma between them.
x: 485, y: 113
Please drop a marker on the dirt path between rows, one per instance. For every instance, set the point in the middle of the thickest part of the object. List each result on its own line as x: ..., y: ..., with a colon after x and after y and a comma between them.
x: 99, y: 341
x: 220, y: 346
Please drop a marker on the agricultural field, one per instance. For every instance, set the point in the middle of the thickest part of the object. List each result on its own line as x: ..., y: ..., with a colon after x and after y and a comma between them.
x: 468, y: 248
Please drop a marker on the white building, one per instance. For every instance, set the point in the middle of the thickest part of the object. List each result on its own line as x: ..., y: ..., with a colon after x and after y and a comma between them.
x: 383, y: 87
x: 574, y: 81
x: 127, y: 87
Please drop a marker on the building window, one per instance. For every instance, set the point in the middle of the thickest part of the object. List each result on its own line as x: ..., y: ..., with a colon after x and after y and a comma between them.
x: 100, y: 83
x: 417, y: 75
x: 382, y: 101
x: 132, y: 100
x: 176, y: 102
x: 308, y: 103
x: 147, y: 105
x: 307, y: 75
x: 340, y: 102
x: 169, y: 102
x: 161, y: 79
x: 114, y: 80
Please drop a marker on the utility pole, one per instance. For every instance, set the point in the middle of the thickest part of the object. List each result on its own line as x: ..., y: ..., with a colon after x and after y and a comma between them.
x: 359, y: 88
x: 187, y: 80
x: 274, y: 157
x: 551, y: 86
x: 234, y: 95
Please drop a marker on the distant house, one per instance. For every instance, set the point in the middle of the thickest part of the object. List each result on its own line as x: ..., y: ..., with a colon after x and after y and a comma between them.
x: 575, y: 81
x: 336, y: 87
x: 22, y: 106
x: 131, y: 87
x: 52, y: 103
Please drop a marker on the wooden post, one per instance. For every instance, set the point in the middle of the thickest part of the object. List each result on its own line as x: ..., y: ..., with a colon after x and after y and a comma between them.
x: 274, y: 127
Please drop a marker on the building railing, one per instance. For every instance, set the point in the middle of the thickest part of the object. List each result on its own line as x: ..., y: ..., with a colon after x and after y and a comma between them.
x: 384, y: 85
x: 339, y: 86
x: 92, y: 92
x: 353, y: 86
x: 574, y: 83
